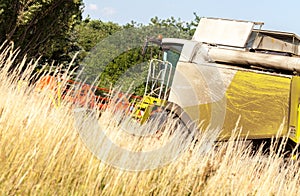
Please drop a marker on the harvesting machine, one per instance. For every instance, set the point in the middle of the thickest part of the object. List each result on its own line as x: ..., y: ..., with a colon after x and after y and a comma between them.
x: 230, y: 71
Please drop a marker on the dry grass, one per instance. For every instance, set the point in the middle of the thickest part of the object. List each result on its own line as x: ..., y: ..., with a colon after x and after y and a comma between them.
x: 41, y: 153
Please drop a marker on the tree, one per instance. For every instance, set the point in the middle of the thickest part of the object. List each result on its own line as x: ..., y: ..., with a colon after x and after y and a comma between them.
x: 39, y: 27
x: 117, y: 51
x: 113, y: 53
x: 186, y: 28
x: 90, y: 32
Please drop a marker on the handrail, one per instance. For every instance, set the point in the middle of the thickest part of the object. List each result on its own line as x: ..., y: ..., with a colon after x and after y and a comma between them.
x: 159, y: 78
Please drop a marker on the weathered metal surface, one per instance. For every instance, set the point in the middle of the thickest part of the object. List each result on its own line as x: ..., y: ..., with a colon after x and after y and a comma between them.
x: 259, y: 59
x: 223, y: 32
x: 267, y: 40
x: 263, y: 42
x: 218, y: 97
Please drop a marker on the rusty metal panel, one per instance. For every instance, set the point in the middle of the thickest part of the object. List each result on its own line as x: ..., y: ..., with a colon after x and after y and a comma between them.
x: 264, y: 42
x: 223, y: 32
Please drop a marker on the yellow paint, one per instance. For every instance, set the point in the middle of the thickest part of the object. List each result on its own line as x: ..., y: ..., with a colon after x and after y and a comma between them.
x: 259, y: 101
x: 143, y: 110
x: 294, y: 121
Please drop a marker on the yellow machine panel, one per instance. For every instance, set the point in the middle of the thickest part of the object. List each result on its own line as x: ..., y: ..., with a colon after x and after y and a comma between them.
x: 144, y: 108
x: 259, y: 101
x: 294, y: 120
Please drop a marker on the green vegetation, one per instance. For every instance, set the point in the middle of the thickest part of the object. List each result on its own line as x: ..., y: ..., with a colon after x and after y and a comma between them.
x: 40, y: 27
x: 109, y: 50
x: 55, y: 31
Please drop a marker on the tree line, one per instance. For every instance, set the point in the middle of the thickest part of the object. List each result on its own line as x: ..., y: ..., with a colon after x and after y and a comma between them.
x: 54, y: 31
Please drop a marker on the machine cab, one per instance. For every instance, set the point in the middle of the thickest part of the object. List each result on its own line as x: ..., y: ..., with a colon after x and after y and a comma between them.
x: 160, y: 76
x: 161, y: 72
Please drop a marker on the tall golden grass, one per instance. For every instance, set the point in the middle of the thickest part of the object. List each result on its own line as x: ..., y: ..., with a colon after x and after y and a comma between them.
x: 41, y: 153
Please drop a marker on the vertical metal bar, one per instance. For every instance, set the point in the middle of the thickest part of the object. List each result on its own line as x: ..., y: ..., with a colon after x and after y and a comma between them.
x: 149, y: 73
x: 153, y: 73
x: 162, y: 80
x: 169, y: 77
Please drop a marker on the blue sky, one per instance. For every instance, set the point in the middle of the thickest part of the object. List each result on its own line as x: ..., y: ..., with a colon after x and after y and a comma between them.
x: 277, y: 15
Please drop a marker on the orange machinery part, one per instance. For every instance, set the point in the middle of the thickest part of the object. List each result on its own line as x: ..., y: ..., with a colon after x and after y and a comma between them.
x: 46, y: 82
x: 85, y: 94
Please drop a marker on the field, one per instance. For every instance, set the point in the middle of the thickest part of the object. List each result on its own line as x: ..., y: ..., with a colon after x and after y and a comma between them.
x: 41, y: 153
